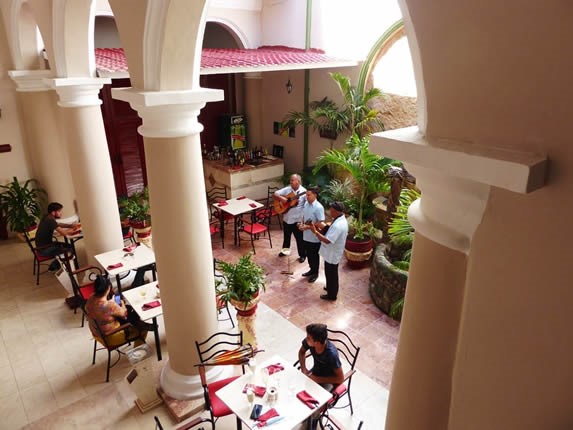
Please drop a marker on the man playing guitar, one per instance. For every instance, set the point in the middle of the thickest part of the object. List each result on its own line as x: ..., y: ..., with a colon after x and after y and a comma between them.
x: 292, y: 216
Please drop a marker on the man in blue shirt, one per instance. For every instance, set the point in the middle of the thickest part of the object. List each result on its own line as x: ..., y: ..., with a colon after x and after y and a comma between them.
x: 313, y: 212
x: 293, y: 216
x: 327, y: 368
x: 332, y: 248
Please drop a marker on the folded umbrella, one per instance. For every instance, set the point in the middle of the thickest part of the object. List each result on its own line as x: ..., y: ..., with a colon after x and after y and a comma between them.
x: 307, y: 399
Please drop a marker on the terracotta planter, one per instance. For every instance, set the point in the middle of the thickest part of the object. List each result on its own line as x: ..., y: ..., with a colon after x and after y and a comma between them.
x: 246, y: 310
x: 358, y: 252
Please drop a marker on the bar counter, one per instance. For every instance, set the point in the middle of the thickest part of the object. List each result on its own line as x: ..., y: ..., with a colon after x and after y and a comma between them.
x: 250, y: 180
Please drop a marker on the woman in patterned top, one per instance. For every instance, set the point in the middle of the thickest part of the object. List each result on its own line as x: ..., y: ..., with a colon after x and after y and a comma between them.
x: 109, y: 316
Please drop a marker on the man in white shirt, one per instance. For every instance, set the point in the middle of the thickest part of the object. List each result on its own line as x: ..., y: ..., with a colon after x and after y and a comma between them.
x: 292, y: 196
x: 332, y: 248
x: 313, y: 213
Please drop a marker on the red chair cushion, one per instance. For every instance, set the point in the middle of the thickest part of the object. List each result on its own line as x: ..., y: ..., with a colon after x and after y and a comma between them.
x: 337, y: 393
x: 41, y: 258
x: 213, y: 229
x: 128, y: 235
x: 219, y: 408
x: 87, y: 291
x: 255, y: 228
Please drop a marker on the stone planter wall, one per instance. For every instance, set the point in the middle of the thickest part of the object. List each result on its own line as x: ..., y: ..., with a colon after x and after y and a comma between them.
x: 387, y: 282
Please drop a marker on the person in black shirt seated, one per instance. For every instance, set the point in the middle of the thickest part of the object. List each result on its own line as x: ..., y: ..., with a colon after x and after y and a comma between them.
x: 327, y: 369
x: 45, y: 243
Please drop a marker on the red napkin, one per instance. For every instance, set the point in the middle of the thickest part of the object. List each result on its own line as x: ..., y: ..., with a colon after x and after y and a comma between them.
x: 222, y: 203
x: 274, y: 368
x: 307, y: 399
x: 253, y: 205
x: 114, y: 266
x: 241, y: 197
x: 130, y: 248
x: 151, y: 305
x: 271, y: 413
x: 259, y: 391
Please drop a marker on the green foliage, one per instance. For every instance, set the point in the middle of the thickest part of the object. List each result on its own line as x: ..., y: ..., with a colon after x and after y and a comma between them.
x: 368, y: 171
x: 337, y: 190
x: 400, y: 230
x: 240, y: 281
x: 21, y: 204
x: 353, y: 117
x: 396, y: 309
x: 136, y: 206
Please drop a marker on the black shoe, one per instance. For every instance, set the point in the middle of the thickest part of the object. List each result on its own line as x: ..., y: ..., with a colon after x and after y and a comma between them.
x: 307, y: 273
x: 327, y: 297
x: 312, y: 278
x: 324, y: 288
x: 301, y: 259
x: 54, y: 266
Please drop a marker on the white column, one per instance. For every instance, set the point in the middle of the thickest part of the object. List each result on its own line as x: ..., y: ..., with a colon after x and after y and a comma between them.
x: 89, y: 162
x: 44, y: 139
x: 181, y: 237
x: 455, y: 178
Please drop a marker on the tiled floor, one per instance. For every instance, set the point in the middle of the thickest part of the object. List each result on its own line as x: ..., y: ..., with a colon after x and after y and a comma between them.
x: 298, y: 301
x: 47, y: 380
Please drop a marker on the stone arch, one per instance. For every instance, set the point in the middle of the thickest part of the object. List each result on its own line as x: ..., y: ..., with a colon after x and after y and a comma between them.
x: 74, y: 38
x: 234, y: 31
x: 21, y: 30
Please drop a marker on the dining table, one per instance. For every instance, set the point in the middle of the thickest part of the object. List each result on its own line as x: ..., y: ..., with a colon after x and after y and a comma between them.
x: 146, y: 302
x: 119, y: 261
x: 279, y: 391
x: 235, y: 207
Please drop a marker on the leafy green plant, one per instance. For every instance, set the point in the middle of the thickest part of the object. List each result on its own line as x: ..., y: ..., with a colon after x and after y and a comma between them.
x: 354, y: 116
x: 400, y: 230
x: 21, y: 204
x: 240, y: 281
x: 337, y: 190
x: 368, y: 171
x: 396, y: 309
x: 136, y: 206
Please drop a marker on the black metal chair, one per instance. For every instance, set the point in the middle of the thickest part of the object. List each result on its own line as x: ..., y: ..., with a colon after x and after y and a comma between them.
x: 82, y: 292
x: 258, y: 225
x: 215, y: 195
x: 211, y: 353
x: 122, y: 335
x: 39, y: 260
x: 270, y: 207
x: 348, y: 354
x: 222, y: 305
x: 191, y: 424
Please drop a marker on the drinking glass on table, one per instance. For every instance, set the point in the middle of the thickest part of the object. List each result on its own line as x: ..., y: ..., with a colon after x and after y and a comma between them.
x: 250, y: 397
x: 142, y: 292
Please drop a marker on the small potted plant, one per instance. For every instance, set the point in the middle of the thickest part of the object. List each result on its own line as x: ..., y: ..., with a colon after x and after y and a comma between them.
x: 136, y: 208
x: 240, y: 283
x: 21, y: 204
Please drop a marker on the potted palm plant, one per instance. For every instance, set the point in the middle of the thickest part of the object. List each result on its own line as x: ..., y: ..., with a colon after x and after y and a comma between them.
x: 354, y: 116
x: 21, y: 205
x: 369, y: 173
x: 240, y: 283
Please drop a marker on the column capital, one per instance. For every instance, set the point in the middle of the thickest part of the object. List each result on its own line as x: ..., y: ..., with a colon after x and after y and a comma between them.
x: 78, y: 92
x: 455, y: 178
x: 31, y: 80
x: 168, y: 113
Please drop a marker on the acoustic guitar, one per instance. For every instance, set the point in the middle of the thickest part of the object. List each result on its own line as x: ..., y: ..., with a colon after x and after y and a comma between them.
x: 321, y: 226
x: 292, y: 201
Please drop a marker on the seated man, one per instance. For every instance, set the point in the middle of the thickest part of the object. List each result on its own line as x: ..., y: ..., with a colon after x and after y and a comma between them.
x: 110, y: 315
x: 45, y: 243
x: 327, y: 369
